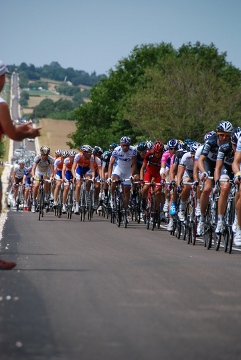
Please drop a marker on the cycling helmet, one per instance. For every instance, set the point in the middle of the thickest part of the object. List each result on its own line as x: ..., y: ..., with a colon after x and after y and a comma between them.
x: 224, y: 126
x: 149, y: 144
x: 86, y: 148
x: 186, y: 144
x: 58, y: 152
x: 208, y: 134
x: 72, y: 153
x: 44, y: 150
x: 173, y: 143
x: 97, y: 151
x: 193, y: 147
x: 158, y: 146
x: 21, y: 161
x: 113, y: 146
x: 236, y: 135
x: 141, y: 146
x: 125, y: 140
x: 65, y: 153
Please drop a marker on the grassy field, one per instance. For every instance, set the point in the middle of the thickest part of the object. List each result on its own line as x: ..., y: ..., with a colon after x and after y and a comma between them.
x: 54, y: 133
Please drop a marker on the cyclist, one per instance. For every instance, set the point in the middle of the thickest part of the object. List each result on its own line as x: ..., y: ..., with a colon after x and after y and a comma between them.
x: 58, y: 166
x: 17, y: 177
x: 207, y: 162
x: 223, y: 171
x: 172, y: 146
x: 83, y: 162
x: 141, y: 153
x: 43, y: 166
x: 185, y: 174
x: 175, y: 161
x: 125, y: 156
x: 97, y: 152
x: 105, y: 158
x: 67, y: 176
x: 27, y: 183
x: 236, y: 167
x: 151, y: 170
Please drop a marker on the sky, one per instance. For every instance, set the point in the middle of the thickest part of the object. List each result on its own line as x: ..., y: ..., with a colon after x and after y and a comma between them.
x: 93, y: 35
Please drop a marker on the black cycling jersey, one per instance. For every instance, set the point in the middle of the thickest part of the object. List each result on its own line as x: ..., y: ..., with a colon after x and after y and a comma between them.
x: 210, y: 148
x: 177, y: 157
x: 105, y: 158
x: 139, y: 162
x: 226, y: 153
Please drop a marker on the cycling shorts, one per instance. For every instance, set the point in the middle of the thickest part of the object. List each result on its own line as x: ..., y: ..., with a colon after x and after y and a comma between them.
x: 80, y: 171
x: 58, y: 175
x: 68, y: 175
x: 148, y: 177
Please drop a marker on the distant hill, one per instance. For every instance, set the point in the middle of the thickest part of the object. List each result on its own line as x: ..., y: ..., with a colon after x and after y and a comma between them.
x: 55, y: 72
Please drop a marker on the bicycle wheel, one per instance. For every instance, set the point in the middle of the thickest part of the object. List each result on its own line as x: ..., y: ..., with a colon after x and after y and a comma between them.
x: 41, y: 204
x: 90, y: 204
x: 70, y: 204
x: 230, y: 242
x: 83, y: 205
x: 119, y: 204
x: 124, y: 218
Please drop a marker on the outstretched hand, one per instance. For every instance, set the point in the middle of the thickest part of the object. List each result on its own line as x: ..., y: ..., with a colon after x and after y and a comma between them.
x: 31, y: 132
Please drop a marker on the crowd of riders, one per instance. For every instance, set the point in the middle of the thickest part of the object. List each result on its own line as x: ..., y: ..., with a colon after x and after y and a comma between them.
x: 178, y: 162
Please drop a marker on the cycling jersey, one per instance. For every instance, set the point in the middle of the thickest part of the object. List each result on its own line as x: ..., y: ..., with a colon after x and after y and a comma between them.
x: 68, y: 166
x: 105, y: 158
x: 82, y: 161
x: 153, y: 165
x: 210, y: 147
x: 177, y: 157
x: 124, y: 161
x: 58, y: 165
x: 19, y: 171
x: 43, y: 166
x: 187, y: 162
x: 226, y: 154
x: 124, y: 158
x: 238, y: 148
x: 166, y: 158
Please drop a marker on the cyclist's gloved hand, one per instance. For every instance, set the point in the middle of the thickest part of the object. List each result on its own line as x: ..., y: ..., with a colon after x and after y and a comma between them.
x: 179, y: 189
x: 203, y: 175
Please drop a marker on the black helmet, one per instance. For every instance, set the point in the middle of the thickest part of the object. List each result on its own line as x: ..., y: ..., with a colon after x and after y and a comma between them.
x: 141, y: 146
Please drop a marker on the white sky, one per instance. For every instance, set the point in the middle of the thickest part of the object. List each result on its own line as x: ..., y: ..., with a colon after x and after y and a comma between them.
x: 93, y: 35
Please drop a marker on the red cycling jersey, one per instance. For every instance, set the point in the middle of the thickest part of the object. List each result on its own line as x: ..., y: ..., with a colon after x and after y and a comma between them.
x: 153, y: 165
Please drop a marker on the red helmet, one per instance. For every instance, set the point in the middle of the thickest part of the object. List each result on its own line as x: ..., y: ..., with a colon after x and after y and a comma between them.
x: 158, y: 146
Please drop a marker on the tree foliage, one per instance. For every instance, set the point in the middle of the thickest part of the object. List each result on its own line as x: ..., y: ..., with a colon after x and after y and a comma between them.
x: 160, y: 92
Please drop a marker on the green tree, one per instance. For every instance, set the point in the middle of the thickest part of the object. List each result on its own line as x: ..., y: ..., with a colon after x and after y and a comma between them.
x: 160, y: 92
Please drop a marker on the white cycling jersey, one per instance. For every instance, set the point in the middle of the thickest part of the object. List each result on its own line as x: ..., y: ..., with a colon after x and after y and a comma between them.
x: 123, y: 160
x: 19, y: 172
x: 238, y: 148
x: 187, y: 162
x: 43, y: 166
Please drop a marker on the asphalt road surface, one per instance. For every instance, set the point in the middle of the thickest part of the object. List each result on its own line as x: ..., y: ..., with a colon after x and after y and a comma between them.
x: 91, y: 290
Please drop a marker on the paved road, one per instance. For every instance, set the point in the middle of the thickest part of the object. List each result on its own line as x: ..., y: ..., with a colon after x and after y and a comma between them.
x: 94, y: 291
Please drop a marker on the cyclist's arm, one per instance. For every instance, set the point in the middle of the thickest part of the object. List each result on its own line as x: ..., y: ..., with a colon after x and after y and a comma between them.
x: 236, y: 162
x: 33, y: 169
x: 111, y: 164
x: 172, y: 172
x: 63, y: 171
x: 180, y: 172
x: 134, y: 166
x: 201, y: 163
x: 142, y: 171
x: 52, y: 171
x: 217, y: 172
x: 92, y: 168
